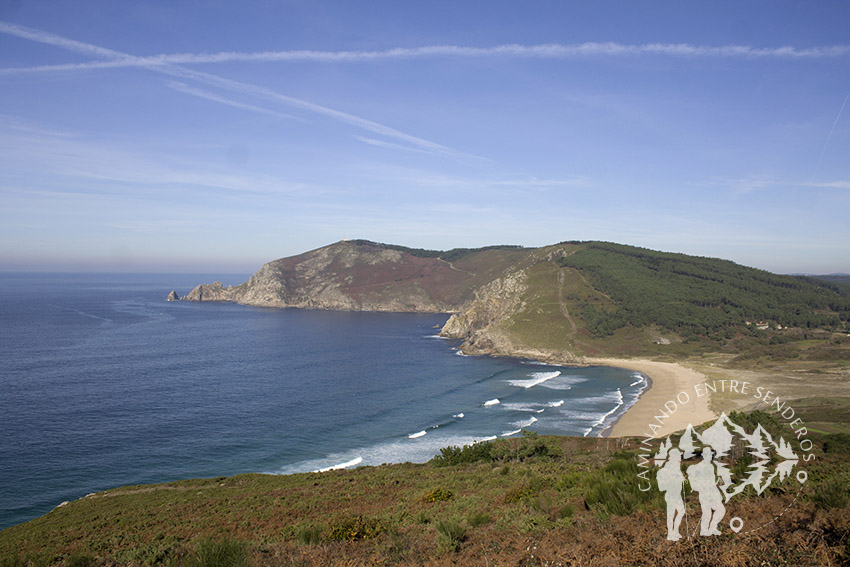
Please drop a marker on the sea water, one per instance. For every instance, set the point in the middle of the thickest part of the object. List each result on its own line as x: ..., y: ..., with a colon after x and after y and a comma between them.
x: 103, y: 384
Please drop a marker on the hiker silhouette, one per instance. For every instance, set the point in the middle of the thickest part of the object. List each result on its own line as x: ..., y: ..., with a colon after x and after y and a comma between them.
x: 703, y: 479
x: 671, y: 482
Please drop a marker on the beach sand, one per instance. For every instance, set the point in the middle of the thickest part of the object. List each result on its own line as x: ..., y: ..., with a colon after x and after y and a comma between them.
x: 667, y: 381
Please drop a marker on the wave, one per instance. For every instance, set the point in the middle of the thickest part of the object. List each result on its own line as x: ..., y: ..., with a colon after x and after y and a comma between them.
x: 557, y: 404
x: 641, y: 379
x: 509, y: 433
x: 353, y: 462
x: 525, y: 423
x: 521, y: 407
x: 493, y: 402
x: 536, y: 378
x: 437, y: 337
x: 417, y: 435
x: 602, y: 419
x: 458, y: 415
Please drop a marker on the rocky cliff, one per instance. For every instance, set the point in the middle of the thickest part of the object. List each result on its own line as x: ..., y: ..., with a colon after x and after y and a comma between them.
x: 553, y: 303
x: 358, y: 276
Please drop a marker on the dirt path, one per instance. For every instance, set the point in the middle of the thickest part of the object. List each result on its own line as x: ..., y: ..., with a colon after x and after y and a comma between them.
x: 563, y: 303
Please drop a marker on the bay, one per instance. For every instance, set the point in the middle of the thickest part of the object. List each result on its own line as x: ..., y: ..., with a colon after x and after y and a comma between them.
x: 103, y: 384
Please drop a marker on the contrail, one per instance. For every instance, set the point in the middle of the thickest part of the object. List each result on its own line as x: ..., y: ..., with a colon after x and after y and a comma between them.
x: 829, y: 136
x: 228, y: 84
x: 540, y: 51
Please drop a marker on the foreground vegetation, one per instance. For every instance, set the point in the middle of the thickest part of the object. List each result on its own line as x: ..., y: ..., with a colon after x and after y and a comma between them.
x: 526, y: 501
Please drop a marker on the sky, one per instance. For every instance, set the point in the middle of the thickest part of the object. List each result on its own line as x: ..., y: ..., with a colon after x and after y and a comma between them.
x: 215, y: 136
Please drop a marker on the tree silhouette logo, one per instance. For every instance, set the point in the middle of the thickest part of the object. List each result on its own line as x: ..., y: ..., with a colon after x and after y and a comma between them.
x: 759, y: 461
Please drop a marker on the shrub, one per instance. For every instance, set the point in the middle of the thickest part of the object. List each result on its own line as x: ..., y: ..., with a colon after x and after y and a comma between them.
x: 451, y: 533
x: 832, y: 494
x: 439, y: 494
x: 308, y: 533
x: 79, y: 560
x: 519, y: 494
x: 224, y: 553
x: 838, y: 443
x: 614, y: 490
x: 452, y: 456
x: 355, y: 529
x: 478, y: 519
x: 569, y: 481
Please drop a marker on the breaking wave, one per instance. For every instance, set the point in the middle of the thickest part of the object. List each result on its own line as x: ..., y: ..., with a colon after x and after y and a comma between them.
x: 535, y: 379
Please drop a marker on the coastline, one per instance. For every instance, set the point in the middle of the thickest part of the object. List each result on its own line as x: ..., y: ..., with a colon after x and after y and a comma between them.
x: 666, y: 380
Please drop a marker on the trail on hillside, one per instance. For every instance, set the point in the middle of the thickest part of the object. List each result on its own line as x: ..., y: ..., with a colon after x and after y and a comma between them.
x: 563, y: 303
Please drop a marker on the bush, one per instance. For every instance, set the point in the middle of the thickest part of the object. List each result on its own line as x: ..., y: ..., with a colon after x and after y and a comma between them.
x: 452, y: 456
x: 355, y: 529
x: 79, y: 560
x: 308, y: 533
x: 614, y: 490
x: 224, y: 553
x: 479, y: 519
x: 838, y: 443
x: 520, y: 493
x: 439, y: 494
x: 524, y: 448
x: 832, y: 494
x: 451, y: 534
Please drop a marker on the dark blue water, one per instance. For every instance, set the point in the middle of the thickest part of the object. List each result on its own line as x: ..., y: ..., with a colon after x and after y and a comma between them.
x: 103, y: 383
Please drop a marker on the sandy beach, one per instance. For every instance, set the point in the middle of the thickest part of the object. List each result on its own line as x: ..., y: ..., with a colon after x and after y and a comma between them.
x: 668, y: 380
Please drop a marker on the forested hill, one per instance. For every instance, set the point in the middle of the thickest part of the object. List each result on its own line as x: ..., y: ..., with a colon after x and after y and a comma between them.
x: 562, y: 301
x: 695, y: 295
x: 575, y: 299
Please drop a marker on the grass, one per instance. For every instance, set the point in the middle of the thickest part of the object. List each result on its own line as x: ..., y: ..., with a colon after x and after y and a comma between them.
x: 572, y: 501
x: 218, y: 553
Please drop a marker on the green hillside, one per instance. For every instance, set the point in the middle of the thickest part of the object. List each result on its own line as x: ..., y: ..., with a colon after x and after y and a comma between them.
x: 696, y: 296
x: 528, y: 501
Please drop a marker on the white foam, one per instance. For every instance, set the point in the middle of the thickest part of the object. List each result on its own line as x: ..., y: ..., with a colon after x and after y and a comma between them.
x: 458, y: 415
x: 537, y: 363
x: 602, y: 419
x: 557, y: 404
x: 460, y: 352
x: 540, y: 411
x: 641, y: 379
x: 509, y: 433
x: 536, y: 378
x: 416, y: 435
x: 437, y: 337
x: 492, y: 402
x: 351, y: 463
x: 521, y: 407
x: 526, y: 422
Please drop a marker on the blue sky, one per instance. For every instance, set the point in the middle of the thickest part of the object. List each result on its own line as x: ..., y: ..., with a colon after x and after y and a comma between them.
x: 215, y: 136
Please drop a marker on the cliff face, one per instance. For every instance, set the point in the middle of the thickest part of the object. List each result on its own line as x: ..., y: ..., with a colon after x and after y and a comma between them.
x: 485, y: 289
x: 478, y: 324
x: 553, y: 303
x: 352, y: 277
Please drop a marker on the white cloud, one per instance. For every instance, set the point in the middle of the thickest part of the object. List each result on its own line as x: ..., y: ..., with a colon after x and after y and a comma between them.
x: 832, y: 185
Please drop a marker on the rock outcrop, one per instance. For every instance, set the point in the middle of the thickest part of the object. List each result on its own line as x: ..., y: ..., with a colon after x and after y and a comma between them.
x: 351, y: 276
x: 172, y: 296
x: 478, y: 324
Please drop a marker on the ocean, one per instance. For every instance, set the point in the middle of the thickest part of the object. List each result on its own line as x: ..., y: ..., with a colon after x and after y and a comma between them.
x: 104, y: 384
